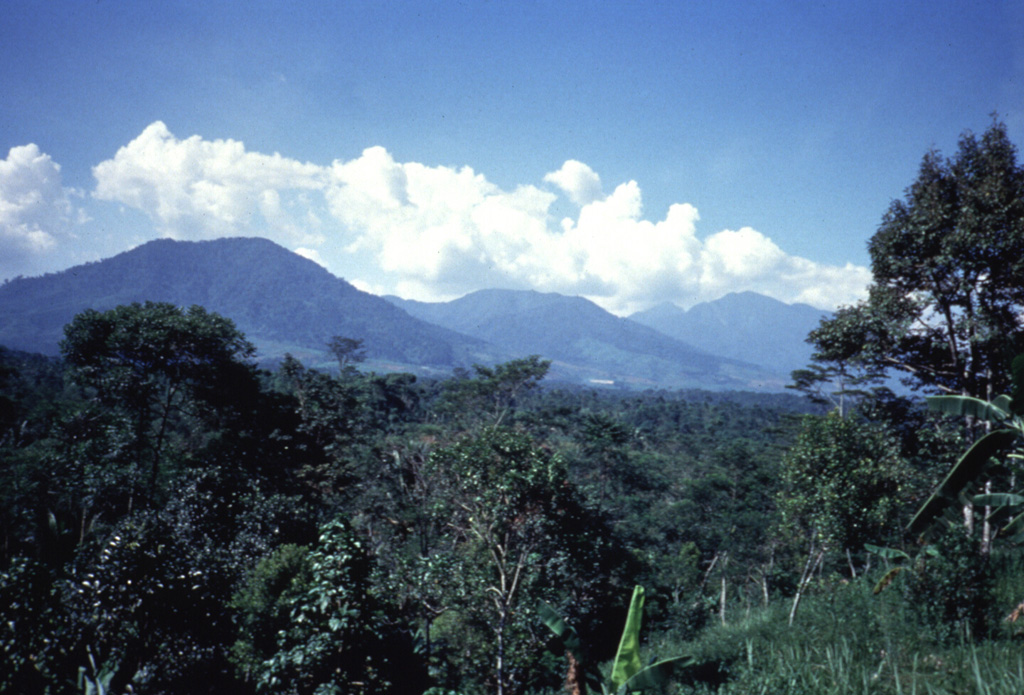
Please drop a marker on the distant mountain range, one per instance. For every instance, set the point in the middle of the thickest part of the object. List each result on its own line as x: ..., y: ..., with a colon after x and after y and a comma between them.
x: 280, y: 300
x: 585, y: 341
x: 286, y: 303
x: 743, y: 326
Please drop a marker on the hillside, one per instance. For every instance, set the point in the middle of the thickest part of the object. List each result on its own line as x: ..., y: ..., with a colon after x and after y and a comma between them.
x: 281, y: 301
x: 286, y: 303
x: 587, y: 342
x: 744, y: 326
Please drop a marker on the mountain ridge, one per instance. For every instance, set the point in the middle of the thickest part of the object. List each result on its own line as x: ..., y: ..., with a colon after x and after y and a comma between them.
x: 273, y: 295
x: 286, y: 303
x: 746, y: 326
x: 575, y: 330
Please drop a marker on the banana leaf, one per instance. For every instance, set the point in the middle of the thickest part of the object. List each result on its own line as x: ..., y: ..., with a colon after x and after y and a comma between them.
x: 654, y: 675
x: 967, y: 406
x: 997, y: 499
x: 886, y: 553
x: 966, y: 471
x: 629, y: 675
x: 563, y: 630
x: 627, y: 661
x: 887, y: 579
x: 1014, y: 529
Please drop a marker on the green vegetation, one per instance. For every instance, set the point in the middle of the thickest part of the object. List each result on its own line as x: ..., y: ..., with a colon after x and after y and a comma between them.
x: 175, y: 520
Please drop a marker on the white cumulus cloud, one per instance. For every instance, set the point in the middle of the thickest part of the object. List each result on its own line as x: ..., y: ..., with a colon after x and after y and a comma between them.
x: 745, y: 259
x: 436, y: 232
x: 444, y: 227
x: 578, y: 181
x: 36, y: 211
x: 311, y: 254
x: 197, y: 188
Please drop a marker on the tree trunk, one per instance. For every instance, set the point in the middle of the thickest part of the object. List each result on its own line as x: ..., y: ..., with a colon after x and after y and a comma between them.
x: 500, y: 662
x: 574, y: 680
x: 764, y: 576
x: 722, y: 595
x: 805, y: 579
x: 986, y: 528
x: 721, y: 602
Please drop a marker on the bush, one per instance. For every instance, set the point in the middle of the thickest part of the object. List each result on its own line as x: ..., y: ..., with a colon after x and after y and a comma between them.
x: 952, y: 592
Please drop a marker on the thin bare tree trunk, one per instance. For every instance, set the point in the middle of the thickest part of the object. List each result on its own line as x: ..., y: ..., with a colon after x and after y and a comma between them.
x: 986, y: 529
x: 707, y: 573
x: 721, y: 602
x: 722, y: 596
x: 500, y: 665
x: 764, y: 576
x: 813, y: 561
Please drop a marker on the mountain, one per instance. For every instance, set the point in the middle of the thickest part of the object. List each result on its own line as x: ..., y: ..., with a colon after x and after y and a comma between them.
x: 585, y: 342
x: 744, y: 326
x: 280, y: 300
x: 286, y: 303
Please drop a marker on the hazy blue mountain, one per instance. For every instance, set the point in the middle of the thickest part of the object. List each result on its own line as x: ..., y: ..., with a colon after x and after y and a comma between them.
x: 586, y: 342
x: 286, y: 303
x: 281, y: 301
x: 745, y: 326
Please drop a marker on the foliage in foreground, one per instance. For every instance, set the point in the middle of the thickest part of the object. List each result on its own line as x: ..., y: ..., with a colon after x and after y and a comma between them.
x: 849, y: 640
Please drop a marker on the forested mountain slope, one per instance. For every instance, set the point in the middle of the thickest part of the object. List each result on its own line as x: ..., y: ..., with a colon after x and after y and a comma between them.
x: 288, y: 304
x: 282, y: 301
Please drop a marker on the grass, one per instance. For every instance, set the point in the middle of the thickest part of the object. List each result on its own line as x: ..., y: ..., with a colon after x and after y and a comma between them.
x: 839, y: 668
x: 847, y: 640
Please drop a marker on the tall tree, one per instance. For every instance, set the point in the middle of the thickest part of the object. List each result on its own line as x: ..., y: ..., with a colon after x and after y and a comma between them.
x: 520, y: 533
x: 348, y: 352
x: 160, y: 365
x: 945, y: 305
x: 491, y: 396
x: 332, y: 642
x: 841, y: 484
x: 840, y: 374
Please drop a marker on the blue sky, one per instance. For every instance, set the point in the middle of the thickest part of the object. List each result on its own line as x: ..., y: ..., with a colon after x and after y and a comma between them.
x: 629, y: 152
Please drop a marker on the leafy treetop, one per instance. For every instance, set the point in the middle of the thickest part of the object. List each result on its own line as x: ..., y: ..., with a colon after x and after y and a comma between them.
x: 944, y: 307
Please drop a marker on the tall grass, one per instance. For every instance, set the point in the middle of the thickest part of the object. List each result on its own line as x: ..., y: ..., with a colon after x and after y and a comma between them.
x: 838, y: 669
x: 848, y: 641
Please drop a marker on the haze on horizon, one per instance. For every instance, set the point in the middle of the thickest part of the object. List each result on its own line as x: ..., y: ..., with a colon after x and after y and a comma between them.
x: 631, y: 155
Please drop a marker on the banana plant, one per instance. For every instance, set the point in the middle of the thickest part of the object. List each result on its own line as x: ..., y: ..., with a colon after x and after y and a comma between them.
x: 974, y: 463
x: 93, y: 680
x: 902, y: 562
x: 629, y: 675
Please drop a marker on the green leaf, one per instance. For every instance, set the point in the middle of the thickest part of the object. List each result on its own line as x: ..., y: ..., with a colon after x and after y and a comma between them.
x: 967, y: 406
x: 997, y: 499
x: 886, y: 553
x: 966, y: 470
x: 563, y: 630
x: 1003, y: 402
x: 1014, y: 529
x: 654, y: 675
x: 627, y: 660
